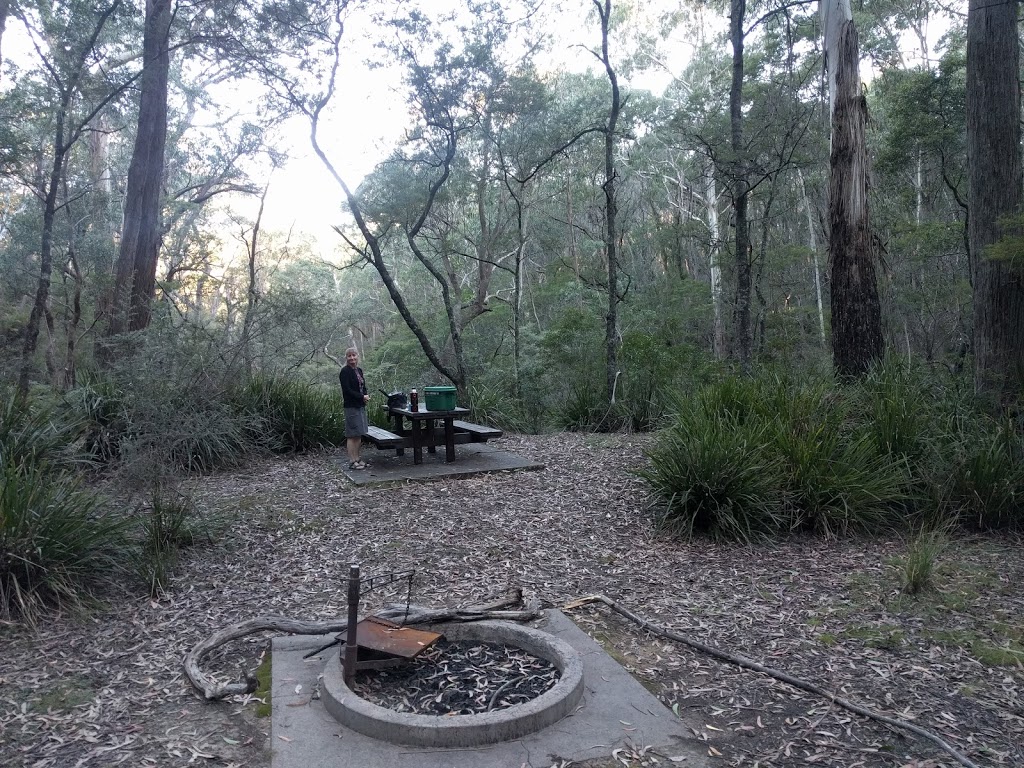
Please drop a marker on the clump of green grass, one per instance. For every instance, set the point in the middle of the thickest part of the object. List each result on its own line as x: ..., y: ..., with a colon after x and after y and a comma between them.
x: 58, y: 542
x: 920, y: 561
x: 717, y: 480
x: 286, y: 415
x: 167, y: 526
x: 749, y: 459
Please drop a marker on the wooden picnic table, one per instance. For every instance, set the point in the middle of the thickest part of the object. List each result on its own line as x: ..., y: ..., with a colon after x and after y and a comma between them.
x: 422, y: 425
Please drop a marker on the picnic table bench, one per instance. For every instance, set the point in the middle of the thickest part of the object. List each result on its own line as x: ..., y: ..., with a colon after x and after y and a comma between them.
x: 424, y: 431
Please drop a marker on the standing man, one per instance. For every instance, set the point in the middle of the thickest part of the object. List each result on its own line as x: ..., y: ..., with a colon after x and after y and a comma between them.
x: 353, y: 391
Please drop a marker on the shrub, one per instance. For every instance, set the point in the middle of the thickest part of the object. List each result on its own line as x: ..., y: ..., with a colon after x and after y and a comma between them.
x: 920, y: 560
x: 714, y: 478
x: 985, y: 483
x: 56, y: 541
x: 285, y: 415
x: 167, y: 526
x: 585, y: 409
x: 859, y: 491
x: 748, y: 459
x: 33, y: 437
x: 104, y: 411
x: 496, y: 408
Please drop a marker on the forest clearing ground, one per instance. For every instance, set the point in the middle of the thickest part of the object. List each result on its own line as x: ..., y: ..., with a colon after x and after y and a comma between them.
x: 108, y: 690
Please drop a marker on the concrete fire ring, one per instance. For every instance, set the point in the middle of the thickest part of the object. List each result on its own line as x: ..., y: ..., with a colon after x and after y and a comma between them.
x: 507, y: 724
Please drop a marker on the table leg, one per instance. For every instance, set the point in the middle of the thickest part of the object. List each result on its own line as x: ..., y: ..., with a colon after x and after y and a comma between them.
x: 417, y: 445
x: 398, y: 430
x: 431, y: 442
x: 449, y: 439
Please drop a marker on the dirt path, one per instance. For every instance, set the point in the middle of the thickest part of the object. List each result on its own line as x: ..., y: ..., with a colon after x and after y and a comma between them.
x: 108, y: 690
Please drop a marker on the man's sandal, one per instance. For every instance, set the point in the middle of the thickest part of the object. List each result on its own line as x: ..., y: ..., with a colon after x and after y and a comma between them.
x: 357, y: 465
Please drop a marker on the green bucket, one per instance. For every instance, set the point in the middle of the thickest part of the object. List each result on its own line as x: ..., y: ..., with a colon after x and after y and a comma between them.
x: 439, y: 398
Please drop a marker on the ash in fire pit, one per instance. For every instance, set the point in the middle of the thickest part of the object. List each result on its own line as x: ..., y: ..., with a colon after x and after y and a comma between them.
x: 509, y: 719
x: 459, y: 678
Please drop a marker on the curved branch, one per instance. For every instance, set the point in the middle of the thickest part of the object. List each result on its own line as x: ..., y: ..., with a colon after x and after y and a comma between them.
x: 212, y: 690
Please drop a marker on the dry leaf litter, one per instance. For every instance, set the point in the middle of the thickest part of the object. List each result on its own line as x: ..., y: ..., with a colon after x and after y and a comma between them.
x: 108, y: 689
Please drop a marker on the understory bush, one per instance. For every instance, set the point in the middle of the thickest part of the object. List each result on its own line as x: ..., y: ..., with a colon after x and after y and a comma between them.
x: 57, y: 540
x: 716, y: 479
x: 285, y: 415
x: 897, y: 451
x: 167, y: 525
x: 984, y: 484
x: 31, y: 436
x: 586, y: 409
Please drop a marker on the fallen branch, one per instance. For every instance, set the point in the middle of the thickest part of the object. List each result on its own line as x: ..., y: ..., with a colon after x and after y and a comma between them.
x: 404, y: 614
x: 212, y: 690
x: 418, y: 614
x: 743, y: 661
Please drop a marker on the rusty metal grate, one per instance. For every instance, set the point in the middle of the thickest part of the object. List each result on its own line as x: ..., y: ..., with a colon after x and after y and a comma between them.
x: 387, y: 637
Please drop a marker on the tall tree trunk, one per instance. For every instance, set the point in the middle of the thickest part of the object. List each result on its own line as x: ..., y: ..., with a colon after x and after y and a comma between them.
x: 740, y: 187
x: 715, y: 264
x: 41, y: 305
x: 611, y: 337
x: 252, y: 295
x: 135, y: 279
x: 812, y: 242
x: 72, y: 320
x: 994, y: 170
x: 856, y: 311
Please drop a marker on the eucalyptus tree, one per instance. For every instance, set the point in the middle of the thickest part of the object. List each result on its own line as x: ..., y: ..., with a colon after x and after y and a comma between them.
x: 995, y: 179
x: 746, y: 115
x: 211, y: 36
x: 139, y: 250
x: 549, y: 122
x: 72, y: 43
x: 5, y: 9
x: 857, y: 340
x: 611, y: 331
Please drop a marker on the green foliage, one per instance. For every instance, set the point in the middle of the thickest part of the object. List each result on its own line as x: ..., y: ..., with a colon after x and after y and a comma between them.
x: 893, y: 409
x: 287, y: 415
x: 651, y: 365
x: 167, y: 525
x: 919, y: 563
x: 33, y: 436
x: 586, y: 409
x: 57, y: 542
x: 104, y: 410
x: 496, y: 406
x: 748, y: 458
x: 717, y: 476
x: 985, y: 481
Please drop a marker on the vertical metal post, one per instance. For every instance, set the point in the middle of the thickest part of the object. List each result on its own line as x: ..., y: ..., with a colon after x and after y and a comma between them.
x: 351, y: 647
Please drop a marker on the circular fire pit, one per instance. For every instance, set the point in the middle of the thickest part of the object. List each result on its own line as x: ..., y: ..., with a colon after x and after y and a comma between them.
x: 511, y: 722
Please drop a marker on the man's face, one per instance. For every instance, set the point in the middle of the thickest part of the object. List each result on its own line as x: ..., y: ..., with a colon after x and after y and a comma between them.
x: 352, y: 358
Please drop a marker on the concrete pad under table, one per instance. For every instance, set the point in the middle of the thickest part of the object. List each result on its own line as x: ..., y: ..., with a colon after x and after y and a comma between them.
x: 615, y: 712
x: 470, y: 459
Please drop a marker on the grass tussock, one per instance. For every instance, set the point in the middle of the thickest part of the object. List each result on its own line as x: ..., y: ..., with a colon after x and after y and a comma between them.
x: 751, y: 458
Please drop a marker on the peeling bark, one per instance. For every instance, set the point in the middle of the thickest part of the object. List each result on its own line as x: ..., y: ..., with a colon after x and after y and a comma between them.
x: 856, y: 311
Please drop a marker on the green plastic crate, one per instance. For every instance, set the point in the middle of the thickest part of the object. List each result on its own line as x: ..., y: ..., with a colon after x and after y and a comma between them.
x: 439, y: 398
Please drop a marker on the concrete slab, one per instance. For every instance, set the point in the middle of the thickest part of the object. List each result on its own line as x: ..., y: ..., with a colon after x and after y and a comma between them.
x: 616, y: 712
x: 470, y: 459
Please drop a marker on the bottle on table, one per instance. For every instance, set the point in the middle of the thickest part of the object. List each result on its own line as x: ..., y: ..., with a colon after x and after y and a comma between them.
x: 414, y: 401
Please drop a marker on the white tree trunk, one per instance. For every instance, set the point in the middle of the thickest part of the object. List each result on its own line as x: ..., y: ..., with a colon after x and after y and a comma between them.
x: 812, y: 235
x: 711, y: 202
